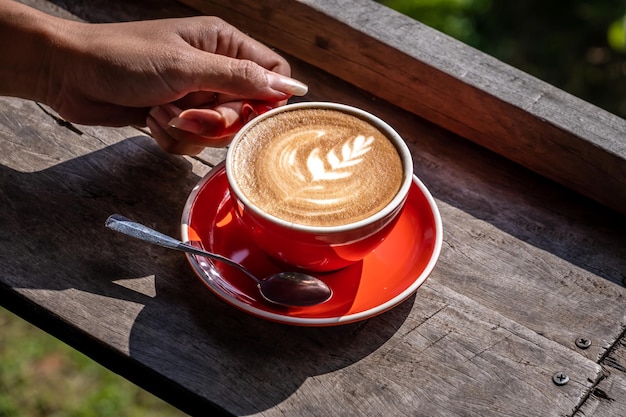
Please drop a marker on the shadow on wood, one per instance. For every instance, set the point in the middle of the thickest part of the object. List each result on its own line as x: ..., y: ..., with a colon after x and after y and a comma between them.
x: 59, y: 213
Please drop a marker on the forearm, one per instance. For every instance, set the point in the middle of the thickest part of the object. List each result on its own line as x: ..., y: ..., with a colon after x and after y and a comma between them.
x: 28, y: 39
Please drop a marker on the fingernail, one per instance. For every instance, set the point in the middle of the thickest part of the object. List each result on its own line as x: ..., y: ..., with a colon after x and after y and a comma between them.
x: 286, y: 84
x: 187, y: 125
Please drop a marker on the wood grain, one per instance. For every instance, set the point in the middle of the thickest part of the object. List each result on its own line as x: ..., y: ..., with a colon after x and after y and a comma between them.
x: 608, y: 398
x: 527, y: 267
x: 457, y: 87
x: 127, y: 300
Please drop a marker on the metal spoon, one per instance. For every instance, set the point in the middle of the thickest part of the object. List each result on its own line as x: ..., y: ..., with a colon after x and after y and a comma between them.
x: 291, y: 289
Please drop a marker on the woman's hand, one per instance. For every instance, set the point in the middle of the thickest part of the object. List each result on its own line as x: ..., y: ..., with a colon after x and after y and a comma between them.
x: 192, y: 81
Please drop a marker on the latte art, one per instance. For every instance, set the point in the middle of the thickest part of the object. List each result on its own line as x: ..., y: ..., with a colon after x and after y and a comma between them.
x: 339, y: 168
x: 317, y: 167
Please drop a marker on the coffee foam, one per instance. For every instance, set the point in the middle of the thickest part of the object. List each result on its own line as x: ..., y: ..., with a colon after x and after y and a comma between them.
x: 317, y: 167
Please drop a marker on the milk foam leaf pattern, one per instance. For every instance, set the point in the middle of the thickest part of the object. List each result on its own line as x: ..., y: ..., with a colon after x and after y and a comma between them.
x: 351, y: 154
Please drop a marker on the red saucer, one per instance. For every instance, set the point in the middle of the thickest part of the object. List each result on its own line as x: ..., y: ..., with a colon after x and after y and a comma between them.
x: 385, y: 278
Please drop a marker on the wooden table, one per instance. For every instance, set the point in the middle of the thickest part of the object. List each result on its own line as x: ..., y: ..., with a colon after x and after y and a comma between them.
x: 529, y: 181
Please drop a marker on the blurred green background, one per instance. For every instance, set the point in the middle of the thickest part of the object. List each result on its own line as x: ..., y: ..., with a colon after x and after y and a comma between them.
x: 43, y: 377
x: 576, y: 45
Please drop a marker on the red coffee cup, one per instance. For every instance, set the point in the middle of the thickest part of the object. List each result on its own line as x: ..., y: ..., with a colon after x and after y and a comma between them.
x: 349, y: 158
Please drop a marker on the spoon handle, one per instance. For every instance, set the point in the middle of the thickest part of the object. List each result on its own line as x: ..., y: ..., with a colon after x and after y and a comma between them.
x: 131, y: 228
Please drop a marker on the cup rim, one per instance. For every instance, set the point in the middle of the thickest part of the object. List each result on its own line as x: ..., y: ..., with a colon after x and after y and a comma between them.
x: 394, y: 137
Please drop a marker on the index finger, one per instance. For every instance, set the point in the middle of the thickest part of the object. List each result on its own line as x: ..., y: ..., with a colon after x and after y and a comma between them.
x: 240, y: 78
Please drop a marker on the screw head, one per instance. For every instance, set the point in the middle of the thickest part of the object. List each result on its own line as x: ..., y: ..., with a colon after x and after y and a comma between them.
x: 583, y: 342
x: 560, y: 378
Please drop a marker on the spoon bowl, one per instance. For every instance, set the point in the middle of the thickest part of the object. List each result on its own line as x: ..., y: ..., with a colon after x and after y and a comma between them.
x: 289, y: 289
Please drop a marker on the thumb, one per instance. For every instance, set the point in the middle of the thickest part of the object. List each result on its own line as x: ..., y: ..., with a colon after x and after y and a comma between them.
x: 244, y: 78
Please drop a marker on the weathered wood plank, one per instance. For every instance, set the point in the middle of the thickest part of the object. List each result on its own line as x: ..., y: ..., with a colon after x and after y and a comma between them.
x: 509, y: 236
x: 608, y: 399
x: 447, y: 356
x: 455, y: 86
x: 57, y: 188
x: 615, y: 361
x: 480, y: 338
x: 128, y: 303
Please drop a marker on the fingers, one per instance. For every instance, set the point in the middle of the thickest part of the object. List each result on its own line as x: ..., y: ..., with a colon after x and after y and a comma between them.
x: 167, y: 142
x: 218, y: 122
x: 225, y: 60
x: 240, y: 78
x: 168, y: 139
x: 189, y: 131
x: 287, y: 85
x: 220, y: 77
